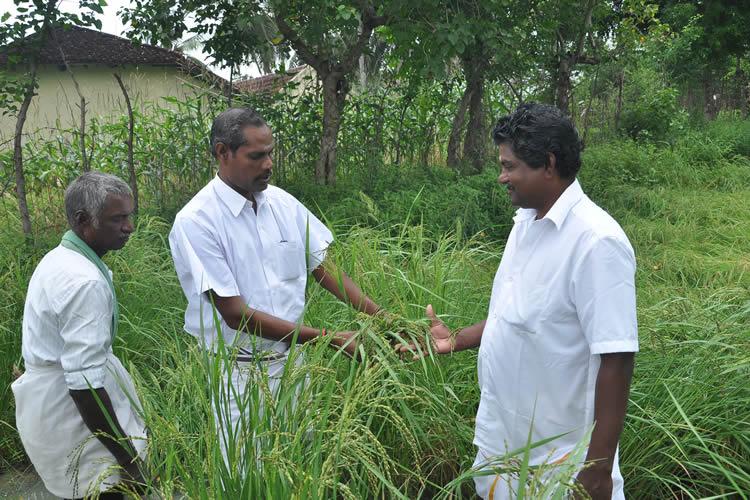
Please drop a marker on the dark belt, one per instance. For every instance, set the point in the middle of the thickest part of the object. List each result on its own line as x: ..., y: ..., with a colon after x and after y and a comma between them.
x: 245, y: 356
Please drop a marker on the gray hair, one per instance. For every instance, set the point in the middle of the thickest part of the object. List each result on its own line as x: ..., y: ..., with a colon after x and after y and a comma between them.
x: 228, y: 127
x: 89, y: 192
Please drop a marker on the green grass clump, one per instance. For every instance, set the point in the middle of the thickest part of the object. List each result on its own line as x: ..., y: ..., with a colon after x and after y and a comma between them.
x: 384, y: 428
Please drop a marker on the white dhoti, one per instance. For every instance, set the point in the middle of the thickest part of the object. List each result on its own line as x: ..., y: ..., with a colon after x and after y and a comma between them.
x: 244, y: 393
x: 71, y: 461
x: 505, y: 486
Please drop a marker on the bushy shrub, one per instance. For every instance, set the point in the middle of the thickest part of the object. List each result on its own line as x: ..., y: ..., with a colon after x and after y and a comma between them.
x: 733, y: 131
x: 436, y: 197
x: 651, y: 110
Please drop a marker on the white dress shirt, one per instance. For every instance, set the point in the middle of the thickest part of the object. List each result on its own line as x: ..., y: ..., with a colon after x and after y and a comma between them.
x: 220, y: 243
x: 67, y: 318
x: 67, y: 344
x: 563, y: 294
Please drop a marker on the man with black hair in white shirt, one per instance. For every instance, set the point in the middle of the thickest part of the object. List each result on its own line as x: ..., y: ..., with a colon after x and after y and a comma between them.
x: 556, y: 351
x: 244, y: 248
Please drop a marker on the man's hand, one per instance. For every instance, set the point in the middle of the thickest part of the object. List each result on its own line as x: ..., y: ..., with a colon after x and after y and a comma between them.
x: 597, y: 481
x: 442, y: 339
x: 346, y: 342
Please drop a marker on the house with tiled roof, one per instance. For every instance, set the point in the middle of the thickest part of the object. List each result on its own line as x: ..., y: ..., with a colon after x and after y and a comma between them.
x: 293, y: 80
x: 149, y: 73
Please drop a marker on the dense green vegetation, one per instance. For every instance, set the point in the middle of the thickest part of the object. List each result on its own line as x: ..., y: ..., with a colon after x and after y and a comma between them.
x: 390, y: 147
x: 419, y: 235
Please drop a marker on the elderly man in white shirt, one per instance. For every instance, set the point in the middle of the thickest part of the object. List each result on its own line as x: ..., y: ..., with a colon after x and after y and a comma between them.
x: 74, y: 387
x: 556, y: 351
x: 247, y: 248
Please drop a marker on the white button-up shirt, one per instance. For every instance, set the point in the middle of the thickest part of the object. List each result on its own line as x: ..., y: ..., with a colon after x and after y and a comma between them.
x: 67, y: 318
x: 219, y: 243
x: 563, y: 294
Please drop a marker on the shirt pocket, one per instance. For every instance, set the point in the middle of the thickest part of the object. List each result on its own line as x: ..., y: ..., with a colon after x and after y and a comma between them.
x: 290, y: 260
x: 525, y: 306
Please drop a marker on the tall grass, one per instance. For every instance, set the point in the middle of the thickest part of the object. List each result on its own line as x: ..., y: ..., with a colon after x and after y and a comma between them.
x: 388, y: 429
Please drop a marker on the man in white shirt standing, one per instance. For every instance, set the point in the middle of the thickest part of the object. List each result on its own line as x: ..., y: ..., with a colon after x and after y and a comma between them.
x: 69, y: 324
x: 556, y: 351
x: 246, y: 247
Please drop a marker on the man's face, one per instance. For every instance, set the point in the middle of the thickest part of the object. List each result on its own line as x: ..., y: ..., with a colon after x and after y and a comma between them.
x: 114, y: 225
x: 527, y: 186
x: 249, y: 168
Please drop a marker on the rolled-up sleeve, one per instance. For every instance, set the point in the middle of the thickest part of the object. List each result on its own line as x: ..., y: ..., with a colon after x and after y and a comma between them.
x: 604, y: 285
x: 315, y: 236
x: 199, y: 261
x: 85, y: 321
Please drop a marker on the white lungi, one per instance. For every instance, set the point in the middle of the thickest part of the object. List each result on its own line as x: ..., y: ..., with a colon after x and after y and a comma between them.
x: 71, y: 461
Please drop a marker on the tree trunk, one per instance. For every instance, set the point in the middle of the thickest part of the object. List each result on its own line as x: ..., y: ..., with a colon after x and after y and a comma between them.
x: 744, y: 83
x: 379, y: 125
x: 709, y: 104
x: 618, y: 104
x: 362, y: 73
x: 23, y: 207
x: 230, y: 88
x: 739, y: 87
x: 334, y: 94
x: 333, y: 74
x: 567, y: 60
x: 405, y: 103
x: 475, y: 140
x: 562, y: 92
x: 458, y: 124
x: 586, y: 116
x: 133, y: 180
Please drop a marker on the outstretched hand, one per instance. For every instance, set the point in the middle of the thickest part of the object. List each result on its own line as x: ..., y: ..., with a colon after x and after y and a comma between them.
x: 347, y: 343
x: 442, y: 339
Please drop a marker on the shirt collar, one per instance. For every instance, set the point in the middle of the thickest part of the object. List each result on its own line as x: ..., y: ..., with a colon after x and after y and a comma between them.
x: 559, y: 210
x: 234, y: 201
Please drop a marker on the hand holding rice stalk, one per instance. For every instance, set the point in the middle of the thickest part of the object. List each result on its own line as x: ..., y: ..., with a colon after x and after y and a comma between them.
x: 442, y: 339
x: 386, y: 330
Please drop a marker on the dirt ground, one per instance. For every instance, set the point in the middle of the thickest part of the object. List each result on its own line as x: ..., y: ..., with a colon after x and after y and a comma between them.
x: 26, y: 485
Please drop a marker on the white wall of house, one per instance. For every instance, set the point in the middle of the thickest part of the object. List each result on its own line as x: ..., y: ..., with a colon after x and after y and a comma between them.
x: 56, y: 105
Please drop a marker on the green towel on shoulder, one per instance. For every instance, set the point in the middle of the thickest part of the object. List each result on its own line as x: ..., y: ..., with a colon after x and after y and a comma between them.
x: 73, y: 242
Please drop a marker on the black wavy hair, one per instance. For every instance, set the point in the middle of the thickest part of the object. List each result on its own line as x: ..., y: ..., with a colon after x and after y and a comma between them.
x: 533, y: 130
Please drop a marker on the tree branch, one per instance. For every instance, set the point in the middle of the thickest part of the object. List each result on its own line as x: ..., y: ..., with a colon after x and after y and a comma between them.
x: 353, y: 53
x: 370, y: 21
x: 586, y: 59
x: 81, y: 105
x: 304, y: 51
x: 513, y: 89
x: 129, y: 142
x: 585, y: 30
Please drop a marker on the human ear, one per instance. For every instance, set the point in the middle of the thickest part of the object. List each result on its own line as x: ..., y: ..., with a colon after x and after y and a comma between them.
x: 81, y: 218
x: 221, y: 150
x: 551, y: 165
